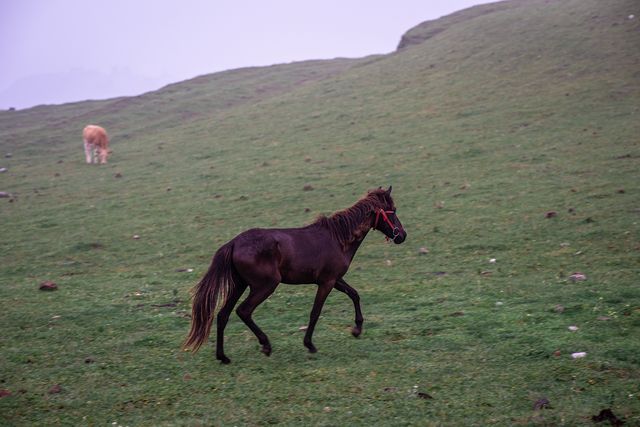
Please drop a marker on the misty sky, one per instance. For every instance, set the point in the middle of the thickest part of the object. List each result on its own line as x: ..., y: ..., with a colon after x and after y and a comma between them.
x: 56, y: 51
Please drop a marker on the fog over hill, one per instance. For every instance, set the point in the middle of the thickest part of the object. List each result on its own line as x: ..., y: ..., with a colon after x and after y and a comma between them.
x: 49, y: 57
x: 74, y: 85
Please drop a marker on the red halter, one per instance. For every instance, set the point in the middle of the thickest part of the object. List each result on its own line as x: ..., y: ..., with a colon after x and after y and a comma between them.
x: 381, y: 212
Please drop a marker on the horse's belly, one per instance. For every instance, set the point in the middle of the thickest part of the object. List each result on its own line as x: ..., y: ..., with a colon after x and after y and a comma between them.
x: 299, y: 276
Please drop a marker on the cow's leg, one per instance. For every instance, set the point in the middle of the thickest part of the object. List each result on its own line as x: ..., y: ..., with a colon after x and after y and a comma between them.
x: 87, y: 151
x: 102, y: 152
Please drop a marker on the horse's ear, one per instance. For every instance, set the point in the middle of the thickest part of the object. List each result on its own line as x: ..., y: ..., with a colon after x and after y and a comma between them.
x: 389, y: 190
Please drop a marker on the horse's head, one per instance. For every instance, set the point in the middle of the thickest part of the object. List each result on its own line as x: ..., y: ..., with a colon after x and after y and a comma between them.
x: 386, y: 219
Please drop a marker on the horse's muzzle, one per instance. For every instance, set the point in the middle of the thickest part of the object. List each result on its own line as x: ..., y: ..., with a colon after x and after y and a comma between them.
x: 400, y: 237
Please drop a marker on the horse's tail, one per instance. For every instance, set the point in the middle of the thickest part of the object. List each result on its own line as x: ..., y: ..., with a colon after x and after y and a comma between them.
x: 214, y: 288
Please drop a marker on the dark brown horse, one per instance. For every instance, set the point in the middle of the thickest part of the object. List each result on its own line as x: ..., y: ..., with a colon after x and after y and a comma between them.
x: 260, y: 259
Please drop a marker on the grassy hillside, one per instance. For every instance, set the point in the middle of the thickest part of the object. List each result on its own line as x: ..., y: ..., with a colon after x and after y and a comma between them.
x: 485, y: 122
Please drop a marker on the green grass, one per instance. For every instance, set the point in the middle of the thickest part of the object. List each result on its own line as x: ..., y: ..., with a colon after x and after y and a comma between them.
x: 482, y: 128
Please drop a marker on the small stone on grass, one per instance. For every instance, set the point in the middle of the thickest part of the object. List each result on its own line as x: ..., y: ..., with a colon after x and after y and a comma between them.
x: 55, y: 389
x: 48, y: 286
x: 578, y: 277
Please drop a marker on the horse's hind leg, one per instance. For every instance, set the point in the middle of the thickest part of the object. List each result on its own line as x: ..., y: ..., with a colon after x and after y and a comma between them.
x: 223, y: 318
x: 343, y: 286
x: 257, y: 295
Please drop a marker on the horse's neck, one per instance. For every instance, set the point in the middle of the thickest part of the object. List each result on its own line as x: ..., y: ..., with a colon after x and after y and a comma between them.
x: 351, y: 249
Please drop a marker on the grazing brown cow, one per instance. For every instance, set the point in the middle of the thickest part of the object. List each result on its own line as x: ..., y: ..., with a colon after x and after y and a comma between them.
x: 96, y: 144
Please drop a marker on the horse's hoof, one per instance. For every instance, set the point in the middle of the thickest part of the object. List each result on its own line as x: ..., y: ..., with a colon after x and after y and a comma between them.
x: 224, y: 360
x: 266, y: 350
x: 312, y: 348
x: 356, y: 332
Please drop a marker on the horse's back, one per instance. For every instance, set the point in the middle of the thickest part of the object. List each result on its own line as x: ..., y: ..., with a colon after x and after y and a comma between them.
x: 293, y: 255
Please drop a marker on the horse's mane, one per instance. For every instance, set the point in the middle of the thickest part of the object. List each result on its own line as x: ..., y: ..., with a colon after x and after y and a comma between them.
x: 350, y: 224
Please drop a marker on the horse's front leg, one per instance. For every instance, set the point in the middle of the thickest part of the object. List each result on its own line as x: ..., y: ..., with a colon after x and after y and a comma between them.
x: 343, y: 286
x: 321, y: 295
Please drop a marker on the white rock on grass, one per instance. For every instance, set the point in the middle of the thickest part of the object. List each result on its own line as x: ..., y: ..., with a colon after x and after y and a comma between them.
x: 578, y: 277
